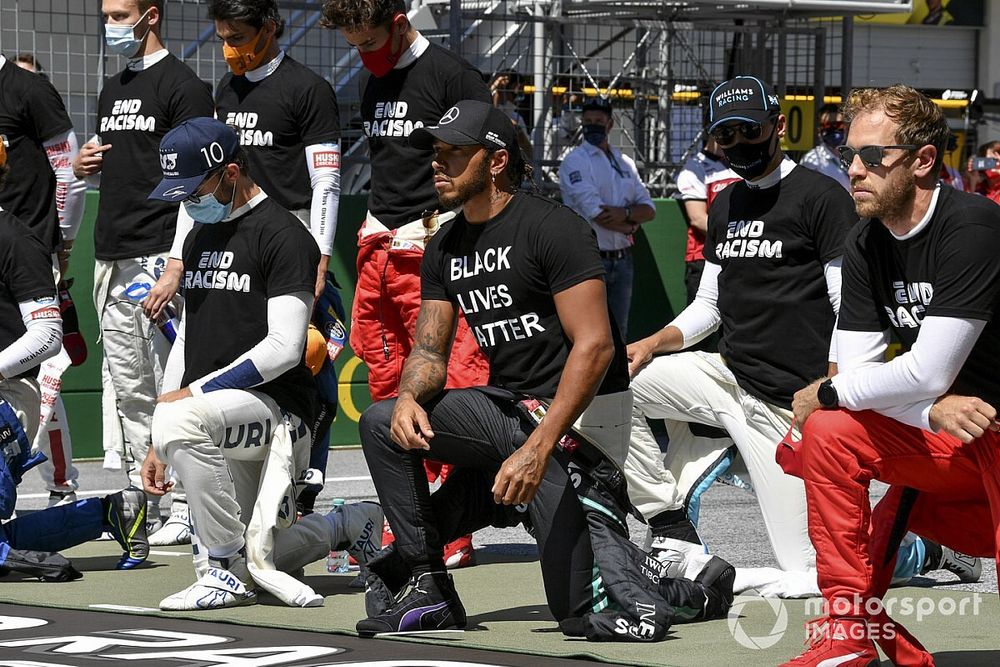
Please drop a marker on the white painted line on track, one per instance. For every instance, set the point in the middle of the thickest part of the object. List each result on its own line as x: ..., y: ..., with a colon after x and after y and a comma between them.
x: 103, y: 492
x: 123, y: 607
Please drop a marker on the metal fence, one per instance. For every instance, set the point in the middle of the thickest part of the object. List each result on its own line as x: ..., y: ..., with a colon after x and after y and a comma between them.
x: 656, y: 67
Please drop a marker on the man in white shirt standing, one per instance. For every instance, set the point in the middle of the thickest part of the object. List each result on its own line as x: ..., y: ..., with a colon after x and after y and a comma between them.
x: 603, y: 186
x: 823, y: 157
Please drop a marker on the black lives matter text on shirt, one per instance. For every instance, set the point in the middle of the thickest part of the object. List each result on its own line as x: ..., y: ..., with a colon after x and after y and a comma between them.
x: 25, y: 274
x: 392, y: 107
x: 231, y: 269
x: 31, y: 113
x: 276, y: 118
x: 948, y: 269
x: 134, y: 111
x: 502, y: 275
x: 772, y: 243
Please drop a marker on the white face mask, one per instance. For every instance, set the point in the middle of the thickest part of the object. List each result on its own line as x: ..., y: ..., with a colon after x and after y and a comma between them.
x: 121, y: 40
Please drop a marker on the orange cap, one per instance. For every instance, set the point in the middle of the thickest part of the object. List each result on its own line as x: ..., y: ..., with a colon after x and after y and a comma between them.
x: 315, y: 349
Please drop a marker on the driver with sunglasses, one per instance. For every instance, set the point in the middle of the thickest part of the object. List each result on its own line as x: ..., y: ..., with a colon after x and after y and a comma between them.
x: 921, y: 267
x: 772, y: 283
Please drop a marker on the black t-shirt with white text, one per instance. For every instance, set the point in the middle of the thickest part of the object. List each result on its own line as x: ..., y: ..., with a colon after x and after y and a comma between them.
x: 135, y: 110
x: 888, y: 283
x: 31, y: 113
x: 231, y: 269
x: 502, y: 275
x: 25, y: 274
x: 772, y: 244
x: 392, y: 106
x: 276, y: 118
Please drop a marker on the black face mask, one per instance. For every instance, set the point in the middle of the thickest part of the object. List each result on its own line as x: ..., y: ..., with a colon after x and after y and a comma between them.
x: 751, y: 160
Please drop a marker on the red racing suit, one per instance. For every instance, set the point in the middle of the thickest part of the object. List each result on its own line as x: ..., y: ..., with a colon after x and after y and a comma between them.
x: 941, y: 489
x: 386, y: 304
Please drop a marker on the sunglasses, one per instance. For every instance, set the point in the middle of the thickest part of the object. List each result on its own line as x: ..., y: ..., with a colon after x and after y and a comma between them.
x: 726, y: 134
x: 871, y: 156
x: 834, y: 125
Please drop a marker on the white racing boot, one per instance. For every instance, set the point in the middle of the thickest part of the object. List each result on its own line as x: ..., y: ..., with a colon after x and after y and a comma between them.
x: 176, y: 529
x: 226, y: 584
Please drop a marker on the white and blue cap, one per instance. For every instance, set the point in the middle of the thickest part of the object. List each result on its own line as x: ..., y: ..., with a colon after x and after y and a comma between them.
x: 744, y: 98
x: 189, y: 152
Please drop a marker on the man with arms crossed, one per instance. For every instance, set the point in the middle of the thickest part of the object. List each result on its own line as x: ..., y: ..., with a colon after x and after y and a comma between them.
x: 922, y: 266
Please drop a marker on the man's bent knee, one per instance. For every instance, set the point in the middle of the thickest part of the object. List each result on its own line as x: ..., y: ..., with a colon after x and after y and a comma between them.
x: 182, y: 423
x: 375, y: 423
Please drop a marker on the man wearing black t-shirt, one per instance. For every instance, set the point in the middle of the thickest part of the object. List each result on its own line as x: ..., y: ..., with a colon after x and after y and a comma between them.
x: 527, y: 275
x: 30, y: 333
x: 137, y: 241
x: 286, y: 117
x: 49, y: 199
x: 921, y: 267
x: 771, y: 281
x: 237, y: 407
x: 408, y: 83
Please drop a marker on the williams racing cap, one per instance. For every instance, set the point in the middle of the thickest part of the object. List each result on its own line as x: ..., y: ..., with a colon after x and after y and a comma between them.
x: 744, y: 98
x: 469, y: 123
x: 189, y: 152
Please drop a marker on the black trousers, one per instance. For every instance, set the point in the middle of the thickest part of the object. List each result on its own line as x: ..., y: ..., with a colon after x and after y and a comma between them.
x: 476, y: 432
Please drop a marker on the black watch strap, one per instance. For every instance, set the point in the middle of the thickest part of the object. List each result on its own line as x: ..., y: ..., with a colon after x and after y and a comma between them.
x: 827, y: 395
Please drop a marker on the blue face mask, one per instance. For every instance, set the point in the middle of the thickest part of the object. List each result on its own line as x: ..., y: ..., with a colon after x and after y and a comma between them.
x: 208, y: 210
x: 595, y: 134
x: 832, y: 138
x: 120, y: 39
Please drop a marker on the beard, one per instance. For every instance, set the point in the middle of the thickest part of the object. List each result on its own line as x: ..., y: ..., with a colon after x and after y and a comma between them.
x: 477, y: 183
x: 893, y: 202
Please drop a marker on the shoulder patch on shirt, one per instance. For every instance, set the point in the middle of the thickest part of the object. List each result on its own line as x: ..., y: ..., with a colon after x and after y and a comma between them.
x: 575, y: 177
x: 326, y: 159
x: 46, y: 314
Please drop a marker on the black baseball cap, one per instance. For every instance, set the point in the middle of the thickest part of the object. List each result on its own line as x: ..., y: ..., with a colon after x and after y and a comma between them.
x: 469, y: 123
x: 745, y: 98
x: 598, y: 103
x: 189, y: 152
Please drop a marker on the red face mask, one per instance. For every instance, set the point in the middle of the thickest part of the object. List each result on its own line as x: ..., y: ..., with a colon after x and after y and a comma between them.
x: 382, y: 60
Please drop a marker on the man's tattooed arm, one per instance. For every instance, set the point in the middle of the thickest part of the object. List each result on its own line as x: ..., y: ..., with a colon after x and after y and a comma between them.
x: 426, y: 368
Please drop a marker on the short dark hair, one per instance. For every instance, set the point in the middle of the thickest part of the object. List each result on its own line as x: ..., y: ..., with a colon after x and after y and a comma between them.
x: 828, y: 108
x: 357, y: 15
x: 144, y: 5
x: 981, y: 151
x: 29, y: 58
x: 513, y: 76
x: 252, y: 12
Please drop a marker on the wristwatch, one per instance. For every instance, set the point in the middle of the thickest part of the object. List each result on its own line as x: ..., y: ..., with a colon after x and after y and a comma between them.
x: 827, y: 395
x: 628, y: 214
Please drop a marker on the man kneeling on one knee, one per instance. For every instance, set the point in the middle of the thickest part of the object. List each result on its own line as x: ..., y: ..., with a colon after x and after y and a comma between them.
x: 527, y: 274
x: 236, y: 392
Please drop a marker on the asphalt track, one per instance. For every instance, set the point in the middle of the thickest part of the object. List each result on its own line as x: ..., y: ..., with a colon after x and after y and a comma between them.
x: 510, y: 618
x: 48, y: 637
